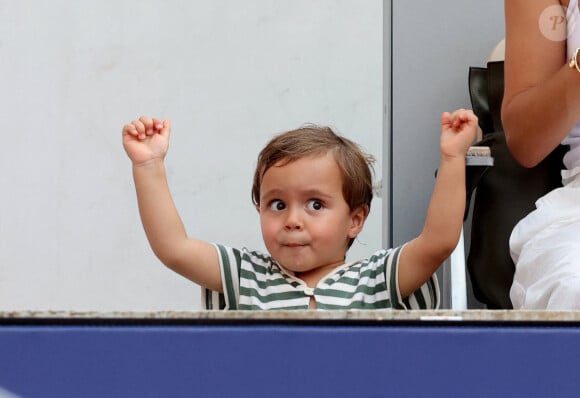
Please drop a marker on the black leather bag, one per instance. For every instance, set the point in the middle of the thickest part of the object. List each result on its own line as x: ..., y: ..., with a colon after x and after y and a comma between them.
x: 504, y: 194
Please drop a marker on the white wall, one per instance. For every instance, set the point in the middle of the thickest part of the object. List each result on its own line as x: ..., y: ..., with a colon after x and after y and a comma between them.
x: 228, y: 73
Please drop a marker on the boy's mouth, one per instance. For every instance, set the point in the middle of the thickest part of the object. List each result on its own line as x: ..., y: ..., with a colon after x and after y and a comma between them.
x: 294, y: 244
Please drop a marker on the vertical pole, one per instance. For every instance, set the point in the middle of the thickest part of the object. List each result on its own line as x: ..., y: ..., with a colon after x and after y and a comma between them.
x: 387, y: 226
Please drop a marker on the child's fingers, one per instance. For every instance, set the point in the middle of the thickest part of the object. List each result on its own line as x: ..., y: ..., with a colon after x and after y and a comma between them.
x: 457, y: 118
x: 157, y: 124
x: 165, y: 126
x: 140, y: 127
x: 446, y: 121
x: 143, y: 127
x: 462, y: 116
x: 130, y: 130
x: 147, y: 122
x: 152, y: 125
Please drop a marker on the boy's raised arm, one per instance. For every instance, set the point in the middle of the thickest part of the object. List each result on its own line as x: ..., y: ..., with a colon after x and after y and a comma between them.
x: 146, y: 142
x: 422, y: 256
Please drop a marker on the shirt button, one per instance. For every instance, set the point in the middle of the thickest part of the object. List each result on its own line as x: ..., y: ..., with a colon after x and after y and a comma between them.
x: 309, y: 291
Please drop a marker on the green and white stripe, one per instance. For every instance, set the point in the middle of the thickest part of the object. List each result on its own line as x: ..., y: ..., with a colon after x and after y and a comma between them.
x: 254, y: 281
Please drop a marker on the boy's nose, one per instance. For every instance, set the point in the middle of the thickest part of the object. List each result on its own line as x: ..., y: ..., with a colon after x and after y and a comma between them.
x: 293, y: 220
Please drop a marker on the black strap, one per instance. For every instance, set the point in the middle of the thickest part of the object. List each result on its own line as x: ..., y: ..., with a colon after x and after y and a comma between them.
x: 495, y: 87
x: 477, y: 83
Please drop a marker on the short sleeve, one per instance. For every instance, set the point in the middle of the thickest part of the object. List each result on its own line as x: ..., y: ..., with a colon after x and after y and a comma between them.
x: 230, y: 262
x: 424, y: 298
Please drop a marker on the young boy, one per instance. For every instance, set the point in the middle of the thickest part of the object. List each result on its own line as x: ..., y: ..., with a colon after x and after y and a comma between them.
x: 312, y: 190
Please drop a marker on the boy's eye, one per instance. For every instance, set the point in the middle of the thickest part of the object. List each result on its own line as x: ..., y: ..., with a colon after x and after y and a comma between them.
x: 277, y: 205
x: 314, y: 204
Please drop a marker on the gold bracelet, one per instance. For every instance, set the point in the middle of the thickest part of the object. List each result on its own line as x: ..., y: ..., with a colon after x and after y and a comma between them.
x: 574, y: 60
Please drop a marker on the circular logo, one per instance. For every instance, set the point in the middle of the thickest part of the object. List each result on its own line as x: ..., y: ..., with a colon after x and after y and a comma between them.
x: 553, y: 23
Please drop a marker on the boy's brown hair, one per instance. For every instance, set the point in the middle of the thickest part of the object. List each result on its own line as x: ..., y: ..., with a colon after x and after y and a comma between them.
x: 355, y: 165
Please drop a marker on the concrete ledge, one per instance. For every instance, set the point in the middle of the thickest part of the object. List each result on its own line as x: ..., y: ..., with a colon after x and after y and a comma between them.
x: 370, y: 316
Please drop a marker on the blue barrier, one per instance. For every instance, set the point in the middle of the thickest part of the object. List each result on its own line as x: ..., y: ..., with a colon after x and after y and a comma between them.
x: 380, y: 359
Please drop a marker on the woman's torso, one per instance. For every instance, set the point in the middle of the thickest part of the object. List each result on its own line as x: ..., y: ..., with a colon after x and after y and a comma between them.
x: 572, y: 158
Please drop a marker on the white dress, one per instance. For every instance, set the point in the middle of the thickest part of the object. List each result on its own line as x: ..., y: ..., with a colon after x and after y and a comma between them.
x: 545, y: 245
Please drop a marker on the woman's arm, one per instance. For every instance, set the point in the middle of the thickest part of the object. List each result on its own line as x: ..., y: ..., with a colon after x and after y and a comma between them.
x: 541, y: 102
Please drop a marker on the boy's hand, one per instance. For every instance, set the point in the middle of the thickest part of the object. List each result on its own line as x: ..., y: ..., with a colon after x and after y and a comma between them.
x: 458, y: 131
x: 146, y: 139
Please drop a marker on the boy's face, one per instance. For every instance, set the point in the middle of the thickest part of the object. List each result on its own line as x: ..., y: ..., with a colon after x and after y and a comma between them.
x: 306, y: 222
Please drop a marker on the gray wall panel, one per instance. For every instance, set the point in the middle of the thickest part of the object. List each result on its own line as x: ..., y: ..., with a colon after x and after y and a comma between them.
x: 433, y: 45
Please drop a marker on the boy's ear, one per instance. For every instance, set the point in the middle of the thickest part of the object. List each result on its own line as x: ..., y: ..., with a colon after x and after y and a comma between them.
x: 258, y: 208
x: 358, y: 218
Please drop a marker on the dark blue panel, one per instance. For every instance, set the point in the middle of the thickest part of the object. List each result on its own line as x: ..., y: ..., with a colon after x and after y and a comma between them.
x: 289, y: 361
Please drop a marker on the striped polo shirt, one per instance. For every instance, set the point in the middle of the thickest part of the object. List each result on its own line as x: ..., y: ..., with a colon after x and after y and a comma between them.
x: 255, y: 281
